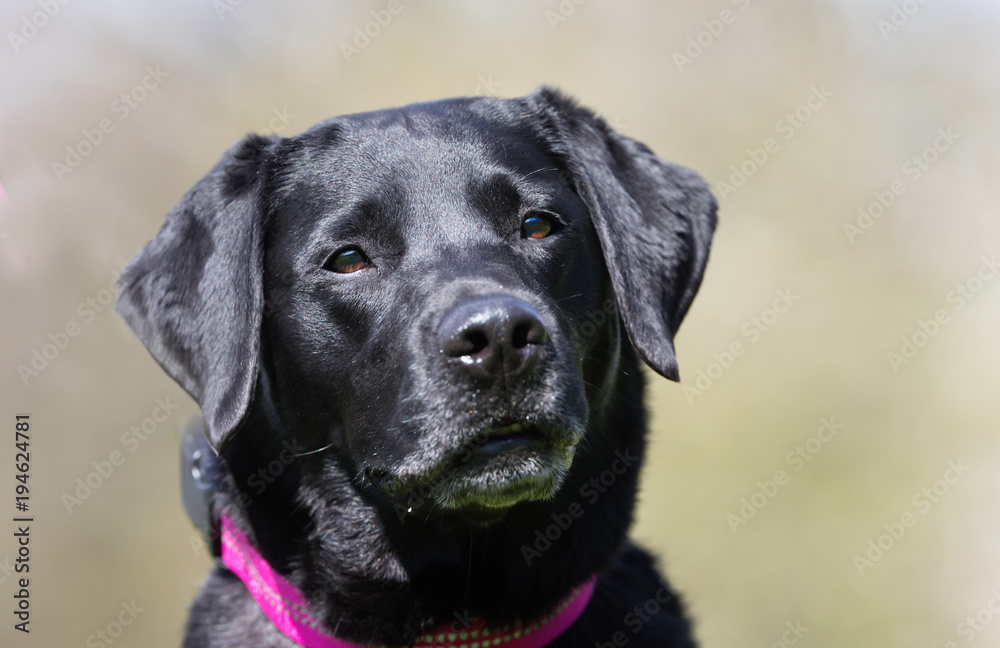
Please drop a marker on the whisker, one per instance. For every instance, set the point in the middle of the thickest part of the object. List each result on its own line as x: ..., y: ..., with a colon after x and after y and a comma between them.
x: 540, y: 171
x: 326, y: 447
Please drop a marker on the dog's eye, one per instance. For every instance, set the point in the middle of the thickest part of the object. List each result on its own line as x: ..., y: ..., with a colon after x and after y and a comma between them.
x: 537, y: 226
x: 347, y: 261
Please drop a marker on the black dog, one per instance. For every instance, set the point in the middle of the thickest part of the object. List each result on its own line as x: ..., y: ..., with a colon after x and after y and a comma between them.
x: 415, y: 336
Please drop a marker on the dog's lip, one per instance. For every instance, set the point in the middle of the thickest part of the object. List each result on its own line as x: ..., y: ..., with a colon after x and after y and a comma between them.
x: 511, y: 433
x: 497, y: 440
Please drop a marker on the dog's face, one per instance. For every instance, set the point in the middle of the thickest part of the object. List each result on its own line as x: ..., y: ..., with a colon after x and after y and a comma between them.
x: 436, y: 295
x: 431, y: 307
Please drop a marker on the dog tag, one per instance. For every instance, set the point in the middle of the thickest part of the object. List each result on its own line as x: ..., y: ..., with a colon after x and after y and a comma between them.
x: 200, y: 473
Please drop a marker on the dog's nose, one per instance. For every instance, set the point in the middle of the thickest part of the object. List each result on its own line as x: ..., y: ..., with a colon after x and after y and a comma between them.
x: 493, y: 336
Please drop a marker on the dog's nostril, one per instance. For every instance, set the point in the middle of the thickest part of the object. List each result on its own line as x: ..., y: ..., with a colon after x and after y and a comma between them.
x: 519, y: 338
x: 527, y: 332
x: 473, y: 342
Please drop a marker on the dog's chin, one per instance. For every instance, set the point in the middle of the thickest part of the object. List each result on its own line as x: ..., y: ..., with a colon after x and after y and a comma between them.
x: 479, y: 478
x: 480, y: 484
x: 483, y: 488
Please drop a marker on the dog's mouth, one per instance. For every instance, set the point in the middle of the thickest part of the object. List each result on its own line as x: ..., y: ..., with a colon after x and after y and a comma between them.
x: 508, y: 462
x: 507, y: 441
x: 510, y: 434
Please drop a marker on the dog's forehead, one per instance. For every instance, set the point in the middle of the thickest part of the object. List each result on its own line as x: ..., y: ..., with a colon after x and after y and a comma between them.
x: 447, y: 141
x: 426, y: 159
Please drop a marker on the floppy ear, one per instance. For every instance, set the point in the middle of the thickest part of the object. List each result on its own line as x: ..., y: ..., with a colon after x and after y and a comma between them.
x: 193, y: 294
x: 654, y: 221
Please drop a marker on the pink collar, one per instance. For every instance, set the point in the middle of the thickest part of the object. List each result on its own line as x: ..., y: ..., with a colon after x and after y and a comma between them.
x: 285, y: 606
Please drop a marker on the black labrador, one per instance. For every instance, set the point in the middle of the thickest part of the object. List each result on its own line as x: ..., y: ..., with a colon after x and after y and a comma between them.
x: 415, y: 336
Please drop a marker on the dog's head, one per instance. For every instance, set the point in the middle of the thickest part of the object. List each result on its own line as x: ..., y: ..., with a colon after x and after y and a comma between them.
x: 434, y: 294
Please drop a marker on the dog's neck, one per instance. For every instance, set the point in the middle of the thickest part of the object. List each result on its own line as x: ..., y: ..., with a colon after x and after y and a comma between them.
x: 381, y: 578
x: 289, y: 610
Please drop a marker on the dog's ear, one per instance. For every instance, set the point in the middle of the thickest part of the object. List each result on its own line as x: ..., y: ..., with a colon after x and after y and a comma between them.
x: 654, y: 221
x: 194, y: 295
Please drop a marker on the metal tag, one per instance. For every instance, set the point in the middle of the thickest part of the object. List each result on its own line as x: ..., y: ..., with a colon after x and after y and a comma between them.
x: 200, y: 475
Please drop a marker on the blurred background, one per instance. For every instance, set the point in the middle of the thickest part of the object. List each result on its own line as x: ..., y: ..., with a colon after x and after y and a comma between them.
x: 830, y: 462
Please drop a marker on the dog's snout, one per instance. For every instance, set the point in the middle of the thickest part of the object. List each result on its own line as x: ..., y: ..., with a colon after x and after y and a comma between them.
x: 493, y: 336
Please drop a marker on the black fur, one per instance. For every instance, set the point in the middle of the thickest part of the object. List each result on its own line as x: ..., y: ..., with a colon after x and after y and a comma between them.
x: 381, y: 503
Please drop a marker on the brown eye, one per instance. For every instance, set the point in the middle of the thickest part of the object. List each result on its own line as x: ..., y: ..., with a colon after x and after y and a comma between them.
x: 537, y: 226
x: 347, y: 261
